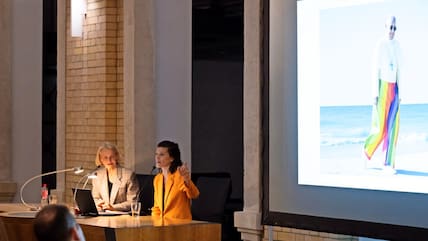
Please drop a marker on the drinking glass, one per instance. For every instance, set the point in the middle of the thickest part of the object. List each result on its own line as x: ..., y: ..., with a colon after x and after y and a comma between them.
x: 53, y: 199
x: 135, y: 208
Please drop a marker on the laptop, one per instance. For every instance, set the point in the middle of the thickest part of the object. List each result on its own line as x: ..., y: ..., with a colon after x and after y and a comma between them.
x: 86, y: 204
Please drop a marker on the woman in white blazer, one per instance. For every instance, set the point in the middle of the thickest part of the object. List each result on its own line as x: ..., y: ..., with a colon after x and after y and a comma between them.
x: 115, y: 187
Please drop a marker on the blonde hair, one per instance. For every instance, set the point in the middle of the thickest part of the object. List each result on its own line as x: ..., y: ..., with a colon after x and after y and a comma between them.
x: 107, y: 146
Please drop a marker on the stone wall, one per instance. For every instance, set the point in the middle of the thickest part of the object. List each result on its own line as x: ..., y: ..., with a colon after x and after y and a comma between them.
x: 7, y: 188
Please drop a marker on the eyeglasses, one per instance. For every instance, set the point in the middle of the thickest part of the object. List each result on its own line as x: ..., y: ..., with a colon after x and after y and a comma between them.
x: 393, y: 28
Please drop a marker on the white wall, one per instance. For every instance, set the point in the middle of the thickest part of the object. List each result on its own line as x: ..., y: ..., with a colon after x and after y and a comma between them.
x: 173, y: 72
x: 157, y: 78
x: 27, y: 34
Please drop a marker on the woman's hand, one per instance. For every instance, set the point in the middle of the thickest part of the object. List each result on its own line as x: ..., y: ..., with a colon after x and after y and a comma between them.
x: 105, y: 206
x: 101, y: 205
x: 184, y: 172
x: 108, y: 207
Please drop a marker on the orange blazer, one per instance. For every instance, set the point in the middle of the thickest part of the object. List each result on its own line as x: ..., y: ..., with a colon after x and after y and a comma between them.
x: 177, y: 197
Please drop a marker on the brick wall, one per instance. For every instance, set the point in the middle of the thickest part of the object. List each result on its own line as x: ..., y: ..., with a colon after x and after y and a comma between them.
x: 94, y: 86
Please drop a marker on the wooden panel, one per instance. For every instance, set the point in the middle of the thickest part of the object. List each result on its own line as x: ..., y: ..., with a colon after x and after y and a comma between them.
x: 19, y: 229
x: 3, y: 233
x: 93, y: 233
x: 206, y: 232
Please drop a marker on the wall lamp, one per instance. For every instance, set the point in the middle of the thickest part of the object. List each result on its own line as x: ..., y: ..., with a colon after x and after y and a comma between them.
x: 78, y: 12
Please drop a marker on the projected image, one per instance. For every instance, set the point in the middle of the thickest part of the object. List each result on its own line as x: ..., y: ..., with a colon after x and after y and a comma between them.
x: 362, y: 94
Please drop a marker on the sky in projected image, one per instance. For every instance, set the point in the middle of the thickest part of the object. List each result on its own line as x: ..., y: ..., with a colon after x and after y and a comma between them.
x: 336, y: 43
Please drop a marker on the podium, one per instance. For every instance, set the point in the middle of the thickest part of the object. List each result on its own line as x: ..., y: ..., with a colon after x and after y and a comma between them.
x: 17, y: 224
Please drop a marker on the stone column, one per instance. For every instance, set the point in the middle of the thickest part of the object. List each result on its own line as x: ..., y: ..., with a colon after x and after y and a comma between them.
x: 248, y: 222
x: 7, y: 188
x: 138, y: 84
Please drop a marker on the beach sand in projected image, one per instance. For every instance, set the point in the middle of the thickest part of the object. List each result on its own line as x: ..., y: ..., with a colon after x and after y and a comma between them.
x: 344, y: 130
x: 350, y: 160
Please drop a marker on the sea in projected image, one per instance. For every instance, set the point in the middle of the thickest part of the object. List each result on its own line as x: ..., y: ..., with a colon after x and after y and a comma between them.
x: 344, y: 129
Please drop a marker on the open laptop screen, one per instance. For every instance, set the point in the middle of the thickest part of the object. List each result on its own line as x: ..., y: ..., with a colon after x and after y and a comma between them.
x: 85, y: 202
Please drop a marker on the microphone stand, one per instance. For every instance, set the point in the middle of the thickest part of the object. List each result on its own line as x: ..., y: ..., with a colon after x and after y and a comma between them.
x: 153, y: 172
x: 76, y: 170
x: 90, y: 175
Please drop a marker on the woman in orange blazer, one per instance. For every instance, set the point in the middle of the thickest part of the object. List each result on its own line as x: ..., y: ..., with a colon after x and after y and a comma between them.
x: 173, y: 187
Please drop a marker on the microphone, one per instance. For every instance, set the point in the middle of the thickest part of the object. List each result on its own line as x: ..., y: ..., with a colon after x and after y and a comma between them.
x: 90, y: 175
x: 152, y: 172
x: 76, y: 170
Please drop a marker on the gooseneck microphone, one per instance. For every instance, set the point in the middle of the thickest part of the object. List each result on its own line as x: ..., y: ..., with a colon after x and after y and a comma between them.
x: 76, y: 170
x: 90, y: 175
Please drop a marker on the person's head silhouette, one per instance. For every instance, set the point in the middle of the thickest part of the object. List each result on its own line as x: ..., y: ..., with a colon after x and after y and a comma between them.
x: 56, y: 223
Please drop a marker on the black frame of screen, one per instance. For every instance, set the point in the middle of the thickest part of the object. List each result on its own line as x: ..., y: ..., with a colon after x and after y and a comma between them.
x: 315, y: 223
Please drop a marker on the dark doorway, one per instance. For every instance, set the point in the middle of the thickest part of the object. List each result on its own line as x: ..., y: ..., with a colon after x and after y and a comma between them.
x: 217, y: 96
x: 49, y: 91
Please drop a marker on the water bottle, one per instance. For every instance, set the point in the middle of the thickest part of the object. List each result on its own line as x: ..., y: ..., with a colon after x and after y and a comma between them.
x: 44, y: 195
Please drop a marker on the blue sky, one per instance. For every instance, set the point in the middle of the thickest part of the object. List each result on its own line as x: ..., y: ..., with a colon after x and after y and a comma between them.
x: 347, y: 38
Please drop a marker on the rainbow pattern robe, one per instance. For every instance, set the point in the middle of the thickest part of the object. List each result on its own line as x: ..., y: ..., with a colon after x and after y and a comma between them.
x: 385, y: 123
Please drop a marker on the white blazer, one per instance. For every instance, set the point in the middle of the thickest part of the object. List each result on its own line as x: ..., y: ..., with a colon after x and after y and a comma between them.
x: 123, y: 191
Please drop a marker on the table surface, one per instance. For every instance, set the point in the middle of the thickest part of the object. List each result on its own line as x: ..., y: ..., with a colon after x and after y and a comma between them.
x: 18, y: 220
x: 121, y: 221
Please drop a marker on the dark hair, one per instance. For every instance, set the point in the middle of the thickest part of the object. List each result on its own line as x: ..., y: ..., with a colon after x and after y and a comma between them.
x: 53, y: 223
x: 174, y: 152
